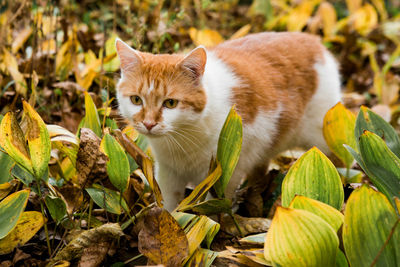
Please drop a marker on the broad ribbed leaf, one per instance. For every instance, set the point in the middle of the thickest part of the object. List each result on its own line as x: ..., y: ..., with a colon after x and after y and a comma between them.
x: 202, y: 257
x: 326, y: 212
x: 13, y: 141
x: 229, y: 147
x: 203, y: 229
x: 313, y: 175
x: 91, y: 119
x: 38, y: 141
x: 56, y: 207
x: 341, y: 118
x: 107, y: 199
x: 369, y: 220
x: 300, y: 238
x: 10, y: 210
x: 370, y: 121
x: 117, y: 165
x: 380, y: 164
x: 28, y: 224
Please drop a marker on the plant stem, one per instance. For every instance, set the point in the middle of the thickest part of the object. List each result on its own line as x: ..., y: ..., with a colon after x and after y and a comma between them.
x: 237, y: 225
x: 42, y: 210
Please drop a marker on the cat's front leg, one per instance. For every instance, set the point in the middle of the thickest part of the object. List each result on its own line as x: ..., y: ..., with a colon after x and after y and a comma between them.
x: 171, y: 185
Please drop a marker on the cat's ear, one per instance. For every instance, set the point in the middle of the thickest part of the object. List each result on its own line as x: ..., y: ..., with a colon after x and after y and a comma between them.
x: 195, y: 62
x: 129, y: 57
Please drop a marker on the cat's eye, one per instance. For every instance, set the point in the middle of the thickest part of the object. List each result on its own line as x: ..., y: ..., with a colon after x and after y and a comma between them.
x: 170, y: 103
x: 136, y: 100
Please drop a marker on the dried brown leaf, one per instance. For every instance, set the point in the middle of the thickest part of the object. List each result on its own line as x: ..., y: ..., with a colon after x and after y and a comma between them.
x: 162, y: 240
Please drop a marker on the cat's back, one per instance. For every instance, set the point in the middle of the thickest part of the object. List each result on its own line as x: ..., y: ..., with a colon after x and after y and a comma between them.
x: 273, y: 68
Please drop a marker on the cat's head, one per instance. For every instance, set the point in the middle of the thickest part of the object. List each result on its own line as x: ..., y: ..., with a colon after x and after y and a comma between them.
x: 162, y: 93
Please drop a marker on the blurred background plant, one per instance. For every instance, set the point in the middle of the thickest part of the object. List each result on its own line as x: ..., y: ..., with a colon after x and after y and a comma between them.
x: 52, y: 51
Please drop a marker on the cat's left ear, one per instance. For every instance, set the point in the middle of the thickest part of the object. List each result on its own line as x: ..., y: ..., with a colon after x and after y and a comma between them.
x: 129, y: 57
x: 195, y: 62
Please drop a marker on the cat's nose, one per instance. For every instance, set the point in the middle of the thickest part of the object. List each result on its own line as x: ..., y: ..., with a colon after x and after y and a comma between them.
x: 149, y: 124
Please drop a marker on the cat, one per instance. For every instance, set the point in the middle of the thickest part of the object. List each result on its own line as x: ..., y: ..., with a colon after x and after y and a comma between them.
x: 281, y: 84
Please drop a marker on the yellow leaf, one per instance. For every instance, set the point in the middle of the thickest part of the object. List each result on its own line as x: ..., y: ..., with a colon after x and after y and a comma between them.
x: 205, y: 37
x: 38, y: 141
x: 6, y: 188
x: 13, y: 141
x: 241, y: 32
x: 380, y: 6
x: 353, y: 5
x: 329, y: 19
x: 299, y: 16
x: 12, y: 67
x: 20, y: 39
x: 300, y: 238
x: 28, y: 224
x: 201, y: 189
x: 365, y: 19
x: 341, y: 118
x: 326, y: 212
x: 199, y: 231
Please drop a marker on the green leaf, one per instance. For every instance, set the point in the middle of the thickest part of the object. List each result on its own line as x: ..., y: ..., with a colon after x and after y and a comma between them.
x: 341, y: 260
x: 313, y: 175
x: 326, y: 212
x: 56, y: 207
x: 200, y: 190
x: 118, y: 164
x: 229, y: 147
x: 341, y: 118
x: 91, y: 119
x: 212, y: 207
x: 38, y: 139
x: 108, y: 199
x: 6, y: 163
x: 23, y: 175
x: 10, y: 210
x: 380, y: 164
x: 257, y: 239
x: 370, y: 121
x: 300, y: 238
x: 369, y: 222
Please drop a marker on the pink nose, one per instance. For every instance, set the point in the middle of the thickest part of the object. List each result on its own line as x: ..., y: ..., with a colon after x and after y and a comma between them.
x: 149, y: 124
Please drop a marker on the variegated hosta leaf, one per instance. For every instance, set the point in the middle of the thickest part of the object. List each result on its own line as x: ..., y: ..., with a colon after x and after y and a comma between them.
x: 326, y: 212
x: 38, y: 141
x: 313, y: 175
x: 13, y: 141
x: 28, y: 224
x: 300, y: 238
x: 371, y: 231
x: 10, y: 210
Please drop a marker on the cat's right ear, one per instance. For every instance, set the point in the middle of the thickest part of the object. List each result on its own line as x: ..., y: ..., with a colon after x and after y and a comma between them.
x: 129, y: 57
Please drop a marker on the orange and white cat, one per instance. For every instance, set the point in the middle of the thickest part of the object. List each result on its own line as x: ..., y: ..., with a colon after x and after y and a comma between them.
x: 282, y: 84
